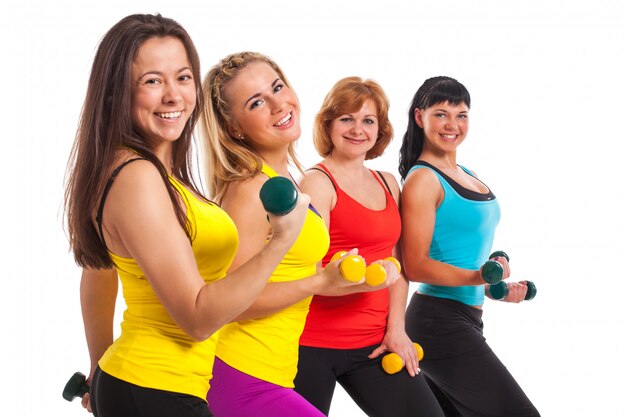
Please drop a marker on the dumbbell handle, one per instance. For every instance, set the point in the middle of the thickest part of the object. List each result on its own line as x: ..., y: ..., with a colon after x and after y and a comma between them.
x: 392, y: 363
x: 492, y: 272
x: 500, y: 290
x: 75, y: 387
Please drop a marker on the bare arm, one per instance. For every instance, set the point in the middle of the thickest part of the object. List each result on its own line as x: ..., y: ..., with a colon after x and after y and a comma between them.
x: 141, y: 224
x: 396, y: 340
x: 98, y: 292
x: 421, y: 196
x: 249, y: 217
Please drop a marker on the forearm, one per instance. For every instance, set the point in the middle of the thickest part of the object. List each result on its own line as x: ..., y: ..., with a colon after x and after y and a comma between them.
x: 429, y: 271
x: 225, y: 300
x: 98, y: 293
x: 279, y: 295
x: 398, y: 293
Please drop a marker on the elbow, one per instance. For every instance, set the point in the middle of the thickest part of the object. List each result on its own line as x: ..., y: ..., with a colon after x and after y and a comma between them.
x: 200, y: 333
x: 201, y: 336
x: 413, y: 270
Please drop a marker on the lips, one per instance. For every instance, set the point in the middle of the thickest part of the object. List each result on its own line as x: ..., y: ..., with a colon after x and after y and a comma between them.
x: 284, y: 120
x: 449, y: 137
x: 170, y: 115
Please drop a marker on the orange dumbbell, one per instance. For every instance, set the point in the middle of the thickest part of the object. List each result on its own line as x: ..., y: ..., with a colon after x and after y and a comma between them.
x: 375, y: 274
x: 352, y: 267
x: 392, y: 363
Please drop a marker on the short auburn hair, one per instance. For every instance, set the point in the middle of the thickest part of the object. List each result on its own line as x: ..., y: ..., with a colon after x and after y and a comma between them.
x: 348, y: 96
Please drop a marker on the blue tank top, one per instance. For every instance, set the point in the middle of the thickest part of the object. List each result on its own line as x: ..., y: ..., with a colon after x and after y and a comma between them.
x: 465, y: 225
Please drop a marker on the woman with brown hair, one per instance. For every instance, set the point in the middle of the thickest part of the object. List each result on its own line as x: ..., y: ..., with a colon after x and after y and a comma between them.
x: 345, y: 338
x: 132, y: 209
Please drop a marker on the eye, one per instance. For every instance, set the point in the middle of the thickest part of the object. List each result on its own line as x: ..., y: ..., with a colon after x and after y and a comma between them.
x: 185, y: 77
x: 255, y: 104
x: 152, y: 81
x: 369, y: 121
x: 278, y: 87
x: 345, y: 119
x: 462, y: 116
x: 440, y: 115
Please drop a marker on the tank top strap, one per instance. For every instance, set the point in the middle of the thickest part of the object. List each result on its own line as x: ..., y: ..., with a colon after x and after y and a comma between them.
x: 320, y: 167
x: 107, y: 188
x: 267, y: 170
x: 382, y: 181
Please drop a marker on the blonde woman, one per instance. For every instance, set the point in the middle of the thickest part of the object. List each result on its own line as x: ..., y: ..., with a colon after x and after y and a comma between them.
x: 251, y: 122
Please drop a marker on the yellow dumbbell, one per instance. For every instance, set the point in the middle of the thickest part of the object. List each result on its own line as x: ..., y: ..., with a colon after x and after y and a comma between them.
x: 352, y: 267
x: 392, y: 363
x: 375, y: 274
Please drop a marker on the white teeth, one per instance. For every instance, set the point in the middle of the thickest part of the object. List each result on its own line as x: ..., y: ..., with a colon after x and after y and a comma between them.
x: 284, y: 120
x: 449, y: 136
x: 171, y: 115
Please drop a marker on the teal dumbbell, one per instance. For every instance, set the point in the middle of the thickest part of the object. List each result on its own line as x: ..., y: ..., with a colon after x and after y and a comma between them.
x: 492, y: 271
x: 76, y: 387
x: 278, y: 195
x: 500, y: 290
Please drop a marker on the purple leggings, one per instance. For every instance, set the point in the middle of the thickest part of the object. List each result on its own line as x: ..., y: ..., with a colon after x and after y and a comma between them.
x: 236, y: 394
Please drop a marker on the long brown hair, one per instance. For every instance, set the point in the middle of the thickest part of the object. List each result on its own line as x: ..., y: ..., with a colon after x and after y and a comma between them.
x: 106, y: 126
x: 230, y: 159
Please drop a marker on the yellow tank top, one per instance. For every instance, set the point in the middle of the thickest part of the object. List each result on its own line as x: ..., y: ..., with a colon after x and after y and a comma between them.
x: 267, y: 348
x: 152, y: 351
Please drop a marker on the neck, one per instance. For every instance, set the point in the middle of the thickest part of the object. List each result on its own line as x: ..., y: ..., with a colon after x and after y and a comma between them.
x: 164, y: 153
x: 439, y: 159
x: 349, y: 167
x: 278, y: 160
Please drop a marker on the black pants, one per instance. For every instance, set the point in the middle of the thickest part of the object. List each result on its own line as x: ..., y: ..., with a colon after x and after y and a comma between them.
x: 374, y: 391
x: 462, y: 370
x: 112, y: 397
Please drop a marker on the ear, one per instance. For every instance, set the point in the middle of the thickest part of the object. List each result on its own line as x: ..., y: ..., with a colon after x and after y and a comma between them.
x: 235, y: 132
x: 419, y: 117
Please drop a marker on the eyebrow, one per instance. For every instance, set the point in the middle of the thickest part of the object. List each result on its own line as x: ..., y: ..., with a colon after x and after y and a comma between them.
x: 160, y: 73
x: 259, y: 94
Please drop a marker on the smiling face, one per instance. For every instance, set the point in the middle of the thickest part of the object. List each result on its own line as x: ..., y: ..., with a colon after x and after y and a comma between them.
x: 354, y: 134
x: 264, y: 111
x: 164, y: 91
x: 445, y: 126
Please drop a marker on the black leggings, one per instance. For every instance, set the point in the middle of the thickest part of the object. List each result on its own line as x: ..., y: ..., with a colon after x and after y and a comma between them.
x: 462, y: 370
x: 374, y: 391
x: 112, y: 397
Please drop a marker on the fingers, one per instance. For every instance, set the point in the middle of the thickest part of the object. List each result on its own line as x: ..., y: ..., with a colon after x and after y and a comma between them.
x: 506, y: 269
x: 86, y: 403
x: 377, y: 352
x: 517, y: 292
x: 410, y: 361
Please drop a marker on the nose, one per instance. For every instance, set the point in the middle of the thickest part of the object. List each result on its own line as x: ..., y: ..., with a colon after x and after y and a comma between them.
x: 277, y: 104
x: 171, y: 94
x: 452, y: 124
x: 356, y: 129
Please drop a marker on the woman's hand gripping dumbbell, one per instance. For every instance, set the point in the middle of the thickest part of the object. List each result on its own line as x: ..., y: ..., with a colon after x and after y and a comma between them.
x: 493, y: 273
x: 353, y: 269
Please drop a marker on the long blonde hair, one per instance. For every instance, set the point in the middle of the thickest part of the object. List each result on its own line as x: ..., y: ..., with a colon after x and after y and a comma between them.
x: 228, y: 158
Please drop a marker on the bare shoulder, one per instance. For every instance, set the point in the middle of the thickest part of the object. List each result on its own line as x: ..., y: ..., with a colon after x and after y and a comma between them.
x: 421, y: 184
x: 241, y: 199
x: 138, y: 183
x: 314, y: 179
x: 391, y: 181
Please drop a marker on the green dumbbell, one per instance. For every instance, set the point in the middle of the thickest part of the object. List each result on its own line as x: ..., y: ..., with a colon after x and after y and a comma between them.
x: 76, y: 387
x: 278, y: 195
x: 500, y: 290
x: 492, y: 271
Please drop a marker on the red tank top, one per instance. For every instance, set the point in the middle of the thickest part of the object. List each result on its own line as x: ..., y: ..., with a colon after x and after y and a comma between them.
x: 356, y: 320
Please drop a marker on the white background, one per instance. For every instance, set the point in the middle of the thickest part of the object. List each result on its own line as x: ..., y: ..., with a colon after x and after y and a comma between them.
x: 547, y: 85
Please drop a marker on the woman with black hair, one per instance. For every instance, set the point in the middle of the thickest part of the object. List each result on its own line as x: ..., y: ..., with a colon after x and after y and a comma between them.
x: 449, y: 219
